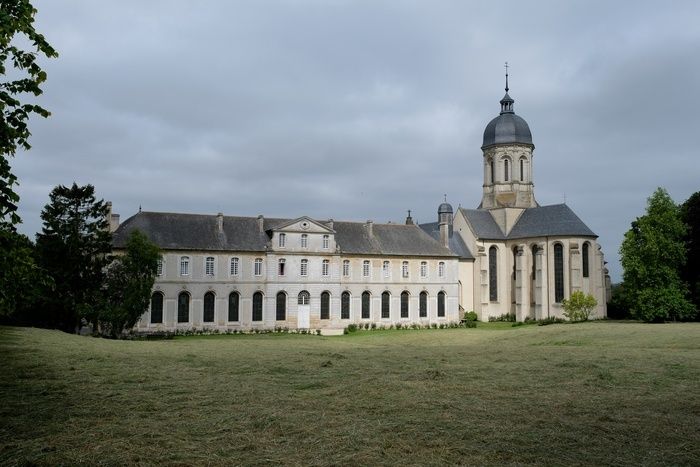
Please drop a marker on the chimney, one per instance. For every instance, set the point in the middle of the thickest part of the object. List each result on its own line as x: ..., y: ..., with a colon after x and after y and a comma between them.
x: 370, y: 231
x: 261, y: 223
x: 409, y: 219
x: 220, y: 222
x: 445, y: 234
x: 113, y: 218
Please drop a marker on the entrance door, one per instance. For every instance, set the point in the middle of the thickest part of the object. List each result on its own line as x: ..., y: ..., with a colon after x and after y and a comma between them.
x: 303, y: 316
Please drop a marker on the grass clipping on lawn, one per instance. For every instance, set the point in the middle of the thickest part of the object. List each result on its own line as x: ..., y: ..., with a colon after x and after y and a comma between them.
x: 593, y: 393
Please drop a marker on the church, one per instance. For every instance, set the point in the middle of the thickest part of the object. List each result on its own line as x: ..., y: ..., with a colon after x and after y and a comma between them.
x: 509, y: 256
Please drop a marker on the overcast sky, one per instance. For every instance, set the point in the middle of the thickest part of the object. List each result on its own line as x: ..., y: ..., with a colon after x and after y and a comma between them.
x: 358, y: 110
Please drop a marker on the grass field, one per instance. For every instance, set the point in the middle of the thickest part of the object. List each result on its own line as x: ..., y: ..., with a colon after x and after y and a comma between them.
x: 592, y: 394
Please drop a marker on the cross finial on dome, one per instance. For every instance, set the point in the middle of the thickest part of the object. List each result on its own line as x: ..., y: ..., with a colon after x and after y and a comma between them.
x: 506, y: 67
x: 445, y: 195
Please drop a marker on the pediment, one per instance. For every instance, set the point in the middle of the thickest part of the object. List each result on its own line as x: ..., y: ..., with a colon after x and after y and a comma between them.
x: 304, y: 225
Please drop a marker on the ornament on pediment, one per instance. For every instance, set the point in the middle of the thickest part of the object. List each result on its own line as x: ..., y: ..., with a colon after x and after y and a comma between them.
x: 157, y: 287
x: 184, y: 287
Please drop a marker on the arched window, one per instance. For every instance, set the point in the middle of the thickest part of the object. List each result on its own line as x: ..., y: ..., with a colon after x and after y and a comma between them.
x: 257, y: 306
x: 441, y: 304
x: 584, y: 254
x: 156, y: 308
x: 493, y: 274
x: 365, y: 305
x: 209, y: 266
x: 386, y: 305
x: 325, y: 305
x: 423, y: 305
x: 185, y: 266
x: 345, y: 305
x: 233, y: 303
x: 404, y: 304
x: 304, y: 240
x: 506, y: 170
x: 303, y: 298
x: 492, y: 170
x: 558, y: 272
x: 183, y: 307
x: 208, y: 315
x: 281, y: 308
x: 522, y: 169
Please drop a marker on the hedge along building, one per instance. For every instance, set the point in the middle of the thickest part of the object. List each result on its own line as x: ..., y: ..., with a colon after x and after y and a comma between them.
x: 508, y: 256
x: 527, y: 258
x: 246, y: 273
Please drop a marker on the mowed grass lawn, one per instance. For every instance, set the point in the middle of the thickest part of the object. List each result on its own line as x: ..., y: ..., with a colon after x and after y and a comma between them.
x: 594, y: 393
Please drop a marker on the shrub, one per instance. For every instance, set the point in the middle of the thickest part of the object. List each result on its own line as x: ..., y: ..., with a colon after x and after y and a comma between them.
x: 550, y: 320
x: 470, y: 324
x: 374, y: 326
x: 579, y: 307
x: 351, y: 327
x: 470, y: 316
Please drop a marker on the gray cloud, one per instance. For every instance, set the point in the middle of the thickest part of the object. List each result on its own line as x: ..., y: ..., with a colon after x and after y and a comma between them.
x: 357, y: 110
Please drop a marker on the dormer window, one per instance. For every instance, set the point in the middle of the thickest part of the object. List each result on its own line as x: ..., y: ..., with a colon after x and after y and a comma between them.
x: 282, y: 240
x: 304, y: 241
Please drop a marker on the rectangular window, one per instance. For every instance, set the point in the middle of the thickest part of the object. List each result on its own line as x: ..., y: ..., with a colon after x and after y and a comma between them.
x: 304, y: 240
x: 234, y: 266
x: 386, y: 268
x: 365, y: 268
x: 346, y: 268
x: 441, y: 269
x: 282, y: 240
x: 304, y: 270
x: 424, y: 269
x: 257, y: 267
x: 325, y: 266
x: 280, y: 268
x: 404, y: 269
x: 159, y: 267
x: 209, y: 266
x: 326, y: 242
x: 185, y: 266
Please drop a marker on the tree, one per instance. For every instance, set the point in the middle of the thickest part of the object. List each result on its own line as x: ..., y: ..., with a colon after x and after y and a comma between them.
x: 129, y: 282
x: 17, y: 20
x: 652, y: 254
x: 579, y: 306
x: 690, y: 213
x: 73, y: 247
x: 23, y: 279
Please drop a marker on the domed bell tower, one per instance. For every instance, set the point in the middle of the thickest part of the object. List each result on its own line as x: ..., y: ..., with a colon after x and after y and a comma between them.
x: 507, y: 151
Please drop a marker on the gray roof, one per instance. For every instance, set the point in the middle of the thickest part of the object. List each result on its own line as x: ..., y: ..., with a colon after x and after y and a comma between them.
x: 483, y: 224
x: 445, y: 208
x: 200, y: 232
x: 457, y: 245
x: 507, y: 127
x: 542, y: 221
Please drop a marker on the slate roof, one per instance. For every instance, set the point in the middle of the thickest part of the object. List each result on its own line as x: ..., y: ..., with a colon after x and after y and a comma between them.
x: 557, y: 219
x: 483, y: 224
x: 457, y: 245
x: 542, y: 221
x: 200, y: 232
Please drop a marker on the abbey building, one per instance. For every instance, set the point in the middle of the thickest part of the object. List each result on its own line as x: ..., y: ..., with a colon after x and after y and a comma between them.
x: 508, y: 256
